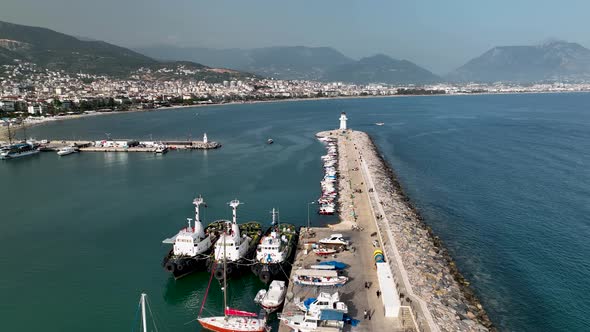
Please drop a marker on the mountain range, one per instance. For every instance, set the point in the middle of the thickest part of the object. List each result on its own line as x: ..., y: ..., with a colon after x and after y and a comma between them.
x: 551, y: 61
x: 57, y: 51
x: 302, y: 63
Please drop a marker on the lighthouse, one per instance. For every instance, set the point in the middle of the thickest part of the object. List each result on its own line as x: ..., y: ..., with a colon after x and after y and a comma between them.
x: 343, y: 119
x: 205, y: 138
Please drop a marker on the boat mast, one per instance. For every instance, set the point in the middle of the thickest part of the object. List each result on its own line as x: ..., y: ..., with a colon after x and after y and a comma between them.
x: 234, y: 205
x: 198, y: 201
x: 9, y: 133
x: 273, y: 216
x: 224, y: 277
x: 143, y: 296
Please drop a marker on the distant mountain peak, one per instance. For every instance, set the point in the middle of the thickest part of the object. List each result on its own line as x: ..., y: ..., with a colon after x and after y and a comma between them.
x: 553, y: 60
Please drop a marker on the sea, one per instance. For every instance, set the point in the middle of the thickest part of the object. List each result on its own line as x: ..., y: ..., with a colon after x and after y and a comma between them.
x: 504, y: 180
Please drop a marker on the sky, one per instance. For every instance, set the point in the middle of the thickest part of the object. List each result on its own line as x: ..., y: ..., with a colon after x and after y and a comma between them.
x: 438, y: 35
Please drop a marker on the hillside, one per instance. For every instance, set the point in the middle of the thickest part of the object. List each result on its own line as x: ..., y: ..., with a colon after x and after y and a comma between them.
x: 57, y: 51
x: 557, y: 60
x: 380, y: 69
x: 285, y: 62
x: 300, y: 62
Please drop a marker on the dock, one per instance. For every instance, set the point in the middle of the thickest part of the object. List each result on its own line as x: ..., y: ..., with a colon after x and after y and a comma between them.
x: 428, y: 292
x: 127, y: 145
x: 358, y: 224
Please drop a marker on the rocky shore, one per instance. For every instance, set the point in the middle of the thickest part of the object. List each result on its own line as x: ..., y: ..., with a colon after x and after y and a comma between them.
x: 433, y: 274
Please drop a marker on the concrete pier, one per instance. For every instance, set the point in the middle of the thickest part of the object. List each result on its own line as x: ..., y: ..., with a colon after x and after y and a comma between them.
x: 88, y: 146
x: 429, y: 287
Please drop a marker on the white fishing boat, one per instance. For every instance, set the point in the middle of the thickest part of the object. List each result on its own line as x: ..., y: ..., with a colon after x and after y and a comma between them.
x: 236, y: 246
x: 272, y: 299
x: 318, y: 278
x: 322, y: 302
x: 379, y: 123
x: 66, y: 151
x: 323, y: 321
x: 335, y: 239
x: 191, y: 246
x: 161, y: 149
x: 274, y: 250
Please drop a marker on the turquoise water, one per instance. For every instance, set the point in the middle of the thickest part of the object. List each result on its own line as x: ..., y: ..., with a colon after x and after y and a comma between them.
x: 504, y: 180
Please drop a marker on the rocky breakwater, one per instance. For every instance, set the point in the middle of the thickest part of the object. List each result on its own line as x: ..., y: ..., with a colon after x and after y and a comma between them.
x: 432, y: 273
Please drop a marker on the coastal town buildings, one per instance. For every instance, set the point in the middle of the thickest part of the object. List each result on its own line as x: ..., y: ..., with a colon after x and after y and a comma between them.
x: 36, y: 91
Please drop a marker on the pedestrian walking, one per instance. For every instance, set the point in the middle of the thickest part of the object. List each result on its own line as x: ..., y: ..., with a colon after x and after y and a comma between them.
x: 365, y: 314
x: 370, y: 314
x: 378, y: 293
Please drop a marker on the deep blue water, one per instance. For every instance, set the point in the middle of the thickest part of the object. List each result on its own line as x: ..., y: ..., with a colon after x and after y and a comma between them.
x: 504, y: 180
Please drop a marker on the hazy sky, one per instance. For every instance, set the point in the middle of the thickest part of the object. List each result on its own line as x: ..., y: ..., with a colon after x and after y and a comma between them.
x: 437, y: 34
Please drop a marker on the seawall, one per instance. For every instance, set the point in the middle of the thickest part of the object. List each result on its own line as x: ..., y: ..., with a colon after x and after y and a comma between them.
x: 427, y: 278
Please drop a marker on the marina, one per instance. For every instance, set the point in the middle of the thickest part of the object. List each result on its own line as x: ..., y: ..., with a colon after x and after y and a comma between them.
x: 133, y: 216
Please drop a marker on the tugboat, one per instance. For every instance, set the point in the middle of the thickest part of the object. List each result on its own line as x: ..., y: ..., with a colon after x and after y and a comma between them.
x: 192, y: 246
x: 274, y: 251
x: 236, y: 246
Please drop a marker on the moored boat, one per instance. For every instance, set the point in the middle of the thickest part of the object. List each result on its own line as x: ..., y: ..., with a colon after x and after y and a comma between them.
x: 322, y: 302
x: 191, y: 246
x: 275, y: 250
x: 18, y: 150
x: 318, y: 278
x: 272, y: 299
x: 324, y: 321
x: 233, y: 320
x: 66, y: 151
x: 236, y: 246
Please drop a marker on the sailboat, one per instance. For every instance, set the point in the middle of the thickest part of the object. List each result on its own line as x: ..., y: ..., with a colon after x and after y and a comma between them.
x: 142, y: 305
x: 233, y: 320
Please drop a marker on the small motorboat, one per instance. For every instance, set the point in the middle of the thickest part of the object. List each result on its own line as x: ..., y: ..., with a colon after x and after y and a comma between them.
x: 318, y: 278
x: 270, y: 141
x: 272, y: 299
x: 335, y: 239
x: 323, y: 301
x: 66, y: 151
x: 324, y: 251
x: 161, y: 149
x: 379, y: 123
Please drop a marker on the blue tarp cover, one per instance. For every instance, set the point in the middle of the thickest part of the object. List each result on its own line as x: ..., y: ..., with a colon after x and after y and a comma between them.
x: 331, y: 315
x: 308, y: 302
x: 336, y: 264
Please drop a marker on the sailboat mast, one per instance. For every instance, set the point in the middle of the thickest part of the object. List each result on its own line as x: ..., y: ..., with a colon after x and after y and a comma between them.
x: 9, y: 134
x: 224, y: 278
x: 143, y: 296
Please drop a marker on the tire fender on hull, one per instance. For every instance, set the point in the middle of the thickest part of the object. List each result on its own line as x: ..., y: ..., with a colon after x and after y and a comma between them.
x: 265, y: 277
x: 170, y: 267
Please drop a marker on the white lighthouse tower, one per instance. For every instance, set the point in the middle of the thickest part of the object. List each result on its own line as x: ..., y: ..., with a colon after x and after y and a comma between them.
x: 205, y: 138
x: 343, y: 119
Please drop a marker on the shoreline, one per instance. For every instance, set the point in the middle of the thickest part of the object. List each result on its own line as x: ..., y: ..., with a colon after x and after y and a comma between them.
x: 3, y: 130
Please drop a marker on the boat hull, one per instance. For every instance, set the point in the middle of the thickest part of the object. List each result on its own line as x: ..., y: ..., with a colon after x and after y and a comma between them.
x: 232, y: 324
x: 182, y: 266
x: 274, y: 271
x: 19, y: 155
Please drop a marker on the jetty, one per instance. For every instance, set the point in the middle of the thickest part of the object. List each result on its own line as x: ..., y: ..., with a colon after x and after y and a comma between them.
x: 127, y: 145
x: 421, y: 288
